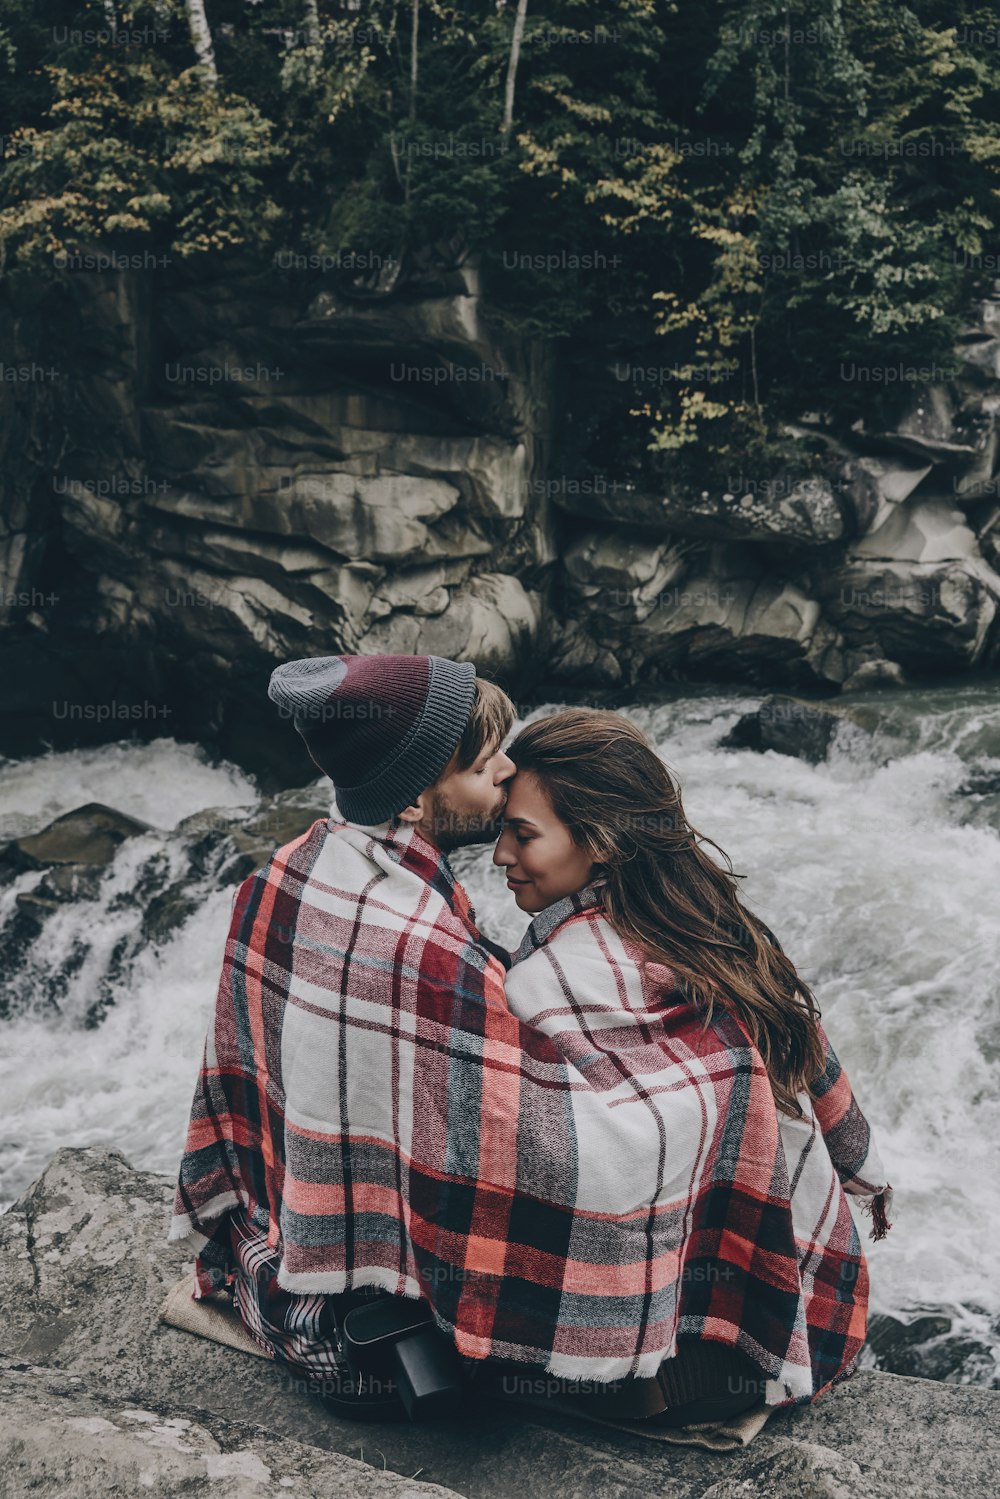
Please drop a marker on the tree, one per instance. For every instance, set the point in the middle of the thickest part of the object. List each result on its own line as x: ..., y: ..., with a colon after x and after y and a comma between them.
x: 515, y: 56
x: 741, y: 197
x: 201, y: 36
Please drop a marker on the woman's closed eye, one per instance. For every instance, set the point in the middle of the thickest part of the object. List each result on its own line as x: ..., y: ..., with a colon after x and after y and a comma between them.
x: 519, y: 836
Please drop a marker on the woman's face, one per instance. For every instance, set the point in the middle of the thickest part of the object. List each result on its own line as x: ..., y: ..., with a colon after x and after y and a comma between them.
x: 536, y: 849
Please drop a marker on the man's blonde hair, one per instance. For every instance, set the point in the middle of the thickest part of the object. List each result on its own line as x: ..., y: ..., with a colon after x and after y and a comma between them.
x: 490, y: 722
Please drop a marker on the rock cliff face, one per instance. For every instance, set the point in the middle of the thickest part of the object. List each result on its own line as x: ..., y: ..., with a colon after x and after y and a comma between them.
x: 206, y: 473
x: 101, y: 1399
x: 888, y: 555
x: 221, y: 474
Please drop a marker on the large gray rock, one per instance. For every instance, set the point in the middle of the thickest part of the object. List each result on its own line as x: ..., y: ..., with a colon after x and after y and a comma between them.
x: 794, y: 726
x: 873, y: 486
x: 90, y: 835
x: 211, y: 525
x: 93, y: 1375
x: 929, y: 529
x: 226, y: 844
x: 719, y: 614
x: 917, y: 587
x: 492, y: 620
x: 924, y: 619
x: 386, y: 478
x: 624, y: 574
x: 57, y: 1438
x: 934, y: 428
x: 74, y: 850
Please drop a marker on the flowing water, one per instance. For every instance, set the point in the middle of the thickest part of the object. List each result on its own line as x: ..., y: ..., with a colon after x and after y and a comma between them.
x: 878, y: 869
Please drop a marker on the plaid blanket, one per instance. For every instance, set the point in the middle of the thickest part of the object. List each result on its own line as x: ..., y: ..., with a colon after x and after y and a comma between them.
x: 388, y: 1118
x: 699, y: 1209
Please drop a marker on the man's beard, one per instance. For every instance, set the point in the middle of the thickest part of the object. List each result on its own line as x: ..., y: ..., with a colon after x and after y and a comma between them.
x: 453, y: 829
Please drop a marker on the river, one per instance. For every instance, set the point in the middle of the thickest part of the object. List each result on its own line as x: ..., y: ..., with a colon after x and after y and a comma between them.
x: 878, y: 869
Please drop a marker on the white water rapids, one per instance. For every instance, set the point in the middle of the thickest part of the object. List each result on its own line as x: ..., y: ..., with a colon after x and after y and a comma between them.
x: 877, y: 869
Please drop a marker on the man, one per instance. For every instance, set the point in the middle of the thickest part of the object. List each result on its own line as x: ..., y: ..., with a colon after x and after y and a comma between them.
x: 349, y: 955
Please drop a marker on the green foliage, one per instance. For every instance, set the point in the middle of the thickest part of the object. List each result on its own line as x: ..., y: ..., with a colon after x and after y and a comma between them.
x: 739, y: 205
x: 865, y: 174
x: 129, y: 151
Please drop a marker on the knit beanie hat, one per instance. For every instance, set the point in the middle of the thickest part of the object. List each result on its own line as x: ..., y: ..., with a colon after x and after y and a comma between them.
x: 381, y: 727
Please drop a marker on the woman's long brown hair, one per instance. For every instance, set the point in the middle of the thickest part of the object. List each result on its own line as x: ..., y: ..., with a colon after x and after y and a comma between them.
x: 609, y: 786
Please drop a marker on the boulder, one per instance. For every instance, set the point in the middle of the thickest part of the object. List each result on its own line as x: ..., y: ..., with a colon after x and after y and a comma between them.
x: 102, y: 1399
x: 981, y: 780
x: 975, y: 480
x: 916, y: 588
x: 794, y: 726
x: 933, y: 429
x: 875, y: 672
x: 871, y: 486
x: 60, y: 885
x: 930, y: 529
x: 810, y: 1471
x: 923, y: 616
x: 60, y: 882
x: 622, y: 574
x: 722, y: 614
x: 576, y: 657
x: 928, y: 1347
x: 983, y: 356
x: 89, y: 835
x: 493, y: 476
x: 492, y: 620
x: 58, y: 1438
x: 203, y: 569
x: 229, y: 844
x: 370, y: 518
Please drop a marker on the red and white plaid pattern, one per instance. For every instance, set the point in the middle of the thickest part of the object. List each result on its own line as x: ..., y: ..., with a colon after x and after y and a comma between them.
x: 296, y: 1330
x: 368, y: 1092
x: 697, y: 1204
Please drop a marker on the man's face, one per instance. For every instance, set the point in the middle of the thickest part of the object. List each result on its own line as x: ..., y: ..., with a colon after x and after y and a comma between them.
x: 466, y: 806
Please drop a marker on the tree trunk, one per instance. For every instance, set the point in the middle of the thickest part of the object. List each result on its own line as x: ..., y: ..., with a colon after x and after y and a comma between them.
x: 312, y: 23
x: 414, y: 71
x: 414, y: 29
x: 515, y: 55
x: 202, y: 39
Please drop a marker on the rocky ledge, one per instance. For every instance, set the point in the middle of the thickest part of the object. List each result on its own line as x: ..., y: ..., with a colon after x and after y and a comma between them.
x: 400, y: 475
x: 102, y: 1399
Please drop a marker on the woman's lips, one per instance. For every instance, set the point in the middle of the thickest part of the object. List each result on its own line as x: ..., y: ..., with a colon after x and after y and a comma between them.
x: 514, y: 884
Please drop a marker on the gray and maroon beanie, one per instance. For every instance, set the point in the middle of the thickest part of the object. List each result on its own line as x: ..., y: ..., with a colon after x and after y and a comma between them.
x: 381, y: 727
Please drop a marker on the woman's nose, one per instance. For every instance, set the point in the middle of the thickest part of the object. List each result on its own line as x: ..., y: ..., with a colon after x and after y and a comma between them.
x: 501, y: 854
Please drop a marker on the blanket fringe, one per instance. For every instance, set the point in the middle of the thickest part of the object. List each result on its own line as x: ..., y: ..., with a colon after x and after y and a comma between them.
x: 880, y: 1222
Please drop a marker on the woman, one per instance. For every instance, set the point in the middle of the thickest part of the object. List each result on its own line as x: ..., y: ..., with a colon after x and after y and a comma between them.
x: 679, y: 1006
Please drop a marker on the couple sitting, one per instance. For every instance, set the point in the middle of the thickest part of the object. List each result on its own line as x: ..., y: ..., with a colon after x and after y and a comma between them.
x: 617, y: 1157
